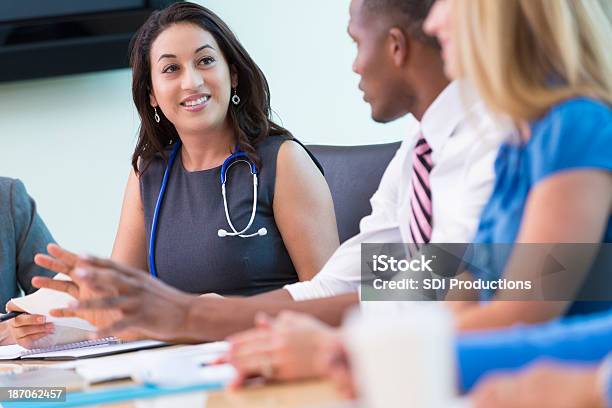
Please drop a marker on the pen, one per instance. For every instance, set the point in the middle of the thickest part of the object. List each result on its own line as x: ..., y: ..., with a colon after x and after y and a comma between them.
x: 9, y: 316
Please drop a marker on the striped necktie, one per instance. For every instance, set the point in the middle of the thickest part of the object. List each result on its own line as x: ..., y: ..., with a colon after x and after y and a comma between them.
x: 420, y: 194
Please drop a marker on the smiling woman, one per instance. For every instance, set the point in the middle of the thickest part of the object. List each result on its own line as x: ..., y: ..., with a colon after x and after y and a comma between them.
x: 209, y: 160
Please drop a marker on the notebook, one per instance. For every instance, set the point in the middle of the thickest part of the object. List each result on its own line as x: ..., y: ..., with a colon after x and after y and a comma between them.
x: 81, y: 349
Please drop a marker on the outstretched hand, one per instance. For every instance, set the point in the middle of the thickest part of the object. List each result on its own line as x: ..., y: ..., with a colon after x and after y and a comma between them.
x: 145, y: 305
x: 65, y: 262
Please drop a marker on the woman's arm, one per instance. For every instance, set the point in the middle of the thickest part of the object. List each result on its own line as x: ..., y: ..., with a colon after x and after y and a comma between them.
x: 130, y: 245
x: 569, y: 207
x: 584, y: 339
x: 304, y: 211
x: 31, y: 235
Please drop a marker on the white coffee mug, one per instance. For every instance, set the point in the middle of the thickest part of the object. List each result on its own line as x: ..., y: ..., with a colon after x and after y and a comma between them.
x: 403, y: 359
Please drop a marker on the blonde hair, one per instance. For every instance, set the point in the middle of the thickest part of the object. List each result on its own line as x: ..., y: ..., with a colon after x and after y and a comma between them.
x: 526, y: 55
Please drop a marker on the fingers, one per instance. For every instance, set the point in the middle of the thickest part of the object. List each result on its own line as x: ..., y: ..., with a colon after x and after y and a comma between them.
x: 252, y: 354
x: 130, y: 335
x: 63, y: 255
x: 124, y: 303
x: 63, y: 313
x: 258, y: 348
x: 52, y: 264
x: 34, y: 330
x: 59, y: 260
x: 30, y: 342
x: 110, y: 264
x: 245, y: 338
x: 103, y: 279
x: 62, y: 286
x: 258, y: 364
x: 27, y: 320
x: 344, y: 382
x: 222, y: 359
x: 26, y: 329
x: 11, y: 307
x: 237, y: 382
x: 488, y: 393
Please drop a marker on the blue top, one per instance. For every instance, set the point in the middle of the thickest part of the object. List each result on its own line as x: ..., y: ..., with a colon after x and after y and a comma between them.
x: 575, y: 134
x: 585, y: 339
x: 23, y: 234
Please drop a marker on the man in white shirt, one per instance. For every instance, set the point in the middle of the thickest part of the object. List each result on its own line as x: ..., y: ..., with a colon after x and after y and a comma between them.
x: 461, y: 181
x: 401, y: 72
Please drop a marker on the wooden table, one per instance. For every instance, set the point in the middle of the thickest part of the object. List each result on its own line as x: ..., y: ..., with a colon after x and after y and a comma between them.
x: 289, y: 395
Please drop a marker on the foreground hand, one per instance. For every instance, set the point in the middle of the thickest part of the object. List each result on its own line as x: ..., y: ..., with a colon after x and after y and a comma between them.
x: 147, y: 306
x: 28, y: 330
x: 544, y: 385
x: 286, y: 348
x: 62, y: 261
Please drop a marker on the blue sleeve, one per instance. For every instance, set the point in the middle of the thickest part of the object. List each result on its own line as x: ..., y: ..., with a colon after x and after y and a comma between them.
x: 582, y: 339
x: 31, y: 236
x: 575, y: 134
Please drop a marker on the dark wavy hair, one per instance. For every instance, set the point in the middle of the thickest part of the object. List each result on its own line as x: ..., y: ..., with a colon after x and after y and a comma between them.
x: 251, y: 120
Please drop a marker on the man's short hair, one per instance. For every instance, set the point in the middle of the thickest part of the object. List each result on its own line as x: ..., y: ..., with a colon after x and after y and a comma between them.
x: 410, y: 14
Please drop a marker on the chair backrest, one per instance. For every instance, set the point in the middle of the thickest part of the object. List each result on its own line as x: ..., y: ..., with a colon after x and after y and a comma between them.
x: 353, y: 174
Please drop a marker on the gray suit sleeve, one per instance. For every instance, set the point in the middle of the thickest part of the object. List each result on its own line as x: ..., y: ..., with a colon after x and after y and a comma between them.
x: 31, y: 236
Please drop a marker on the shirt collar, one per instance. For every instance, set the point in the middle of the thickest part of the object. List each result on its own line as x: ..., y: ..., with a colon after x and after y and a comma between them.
x: 444, y: 115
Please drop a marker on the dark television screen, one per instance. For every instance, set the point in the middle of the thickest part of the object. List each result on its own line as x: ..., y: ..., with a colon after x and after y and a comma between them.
x: 42, y: 38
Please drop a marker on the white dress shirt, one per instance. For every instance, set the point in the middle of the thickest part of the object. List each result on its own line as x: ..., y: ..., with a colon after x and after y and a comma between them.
x: 464, y: 139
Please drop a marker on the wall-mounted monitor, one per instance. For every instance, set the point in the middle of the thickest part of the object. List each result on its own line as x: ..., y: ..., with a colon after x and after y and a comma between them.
x: 43, y: 38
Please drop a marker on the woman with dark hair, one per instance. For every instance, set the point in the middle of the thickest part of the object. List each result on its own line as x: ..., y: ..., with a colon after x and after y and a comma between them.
x: 221, y: 199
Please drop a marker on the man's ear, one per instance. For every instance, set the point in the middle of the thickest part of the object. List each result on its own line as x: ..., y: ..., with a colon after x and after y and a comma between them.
x: 234, y: 76
x: 399, y: 46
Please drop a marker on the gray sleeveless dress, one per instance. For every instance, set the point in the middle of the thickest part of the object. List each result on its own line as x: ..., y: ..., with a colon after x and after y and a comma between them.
x: 189, y: 254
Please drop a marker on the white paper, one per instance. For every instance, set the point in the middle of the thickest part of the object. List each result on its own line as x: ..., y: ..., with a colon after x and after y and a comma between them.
x: 11, y: 352
x: 44, y: 300
x: 123, y: 366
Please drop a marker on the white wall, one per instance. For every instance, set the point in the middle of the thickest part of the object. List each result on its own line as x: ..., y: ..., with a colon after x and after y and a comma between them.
x: 70, y: 139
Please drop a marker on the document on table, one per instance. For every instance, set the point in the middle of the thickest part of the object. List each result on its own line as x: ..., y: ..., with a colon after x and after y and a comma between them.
x: 71, y: 351
x: 122, y: 367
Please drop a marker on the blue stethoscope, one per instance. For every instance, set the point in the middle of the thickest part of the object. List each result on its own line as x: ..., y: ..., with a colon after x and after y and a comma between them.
x: 236, y: 157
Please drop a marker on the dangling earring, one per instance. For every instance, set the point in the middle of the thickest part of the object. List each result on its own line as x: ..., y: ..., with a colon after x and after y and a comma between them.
x: 235, y: 98
x: 157, y: 118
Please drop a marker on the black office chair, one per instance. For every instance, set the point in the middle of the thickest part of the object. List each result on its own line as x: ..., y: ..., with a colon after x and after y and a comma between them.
x: 353, y: 174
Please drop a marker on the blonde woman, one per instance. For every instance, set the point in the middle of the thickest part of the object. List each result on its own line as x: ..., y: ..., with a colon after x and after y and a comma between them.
x: 547, y: 66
